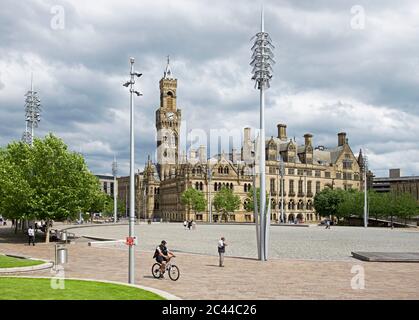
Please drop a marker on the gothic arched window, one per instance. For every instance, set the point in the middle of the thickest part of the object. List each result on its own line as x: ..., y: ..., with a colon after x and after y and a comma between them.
x: 170, y: 100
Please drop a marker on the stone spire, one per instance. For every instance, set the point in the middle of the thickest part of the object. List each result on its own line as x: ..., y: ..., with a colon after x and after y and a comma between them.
x: 361, y: 160
x: 168, y: 71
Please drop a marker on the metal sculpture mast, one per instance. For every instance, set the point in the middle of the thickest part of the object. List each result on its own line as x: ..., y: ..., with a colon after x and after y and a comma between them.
x: 32, y: 114
x: 262, y: 62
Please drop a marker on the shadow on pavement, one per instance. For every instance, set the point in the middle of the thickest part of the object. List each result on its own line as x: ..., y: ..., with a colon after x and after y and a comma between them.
x: 8, y: 235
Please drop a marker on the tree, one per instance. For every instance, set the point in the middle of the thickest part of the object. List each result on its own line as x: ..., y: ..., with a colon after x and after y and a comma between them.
x: 405, y: 206
x: 109, y: 205
x: 97, y: 203
x: 54, y: 183
x: 63, y: 185
x: 194, y: 200
x: 351, y: 203
x: 15, y: 192
x: 327, y: 202
x: 226, y: 202
x: 250, y: 201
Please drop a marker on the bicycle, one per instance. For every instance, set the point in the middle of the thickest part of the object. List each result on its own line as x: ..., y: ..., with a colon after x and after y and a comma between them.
x: 172, y: 269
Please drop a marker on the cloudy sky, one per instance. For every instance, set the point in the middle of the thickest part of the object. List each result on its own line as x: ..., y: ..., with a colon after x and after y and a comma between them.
x: 348, y: 66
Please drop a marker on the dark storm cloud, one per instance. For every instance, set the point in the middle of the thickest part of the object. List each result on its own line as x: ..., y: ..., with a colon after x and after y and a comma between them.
x: 328, y: 78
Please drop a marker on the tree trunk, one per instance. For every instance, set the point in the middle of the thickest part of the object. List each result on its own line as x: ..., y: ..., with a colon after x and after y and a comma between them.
x: 47, y: 231
x: 16, y: 227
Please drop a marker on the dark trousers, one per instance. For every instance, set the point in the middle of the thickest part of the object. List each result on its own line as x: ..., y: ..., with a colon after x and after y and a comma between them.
x: 31, y: 240
x: 221, y: 255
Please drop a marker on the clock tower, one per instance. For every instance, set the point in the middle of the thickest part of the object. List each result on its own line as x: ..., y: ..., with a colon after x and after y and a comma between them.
x: 168, y: 119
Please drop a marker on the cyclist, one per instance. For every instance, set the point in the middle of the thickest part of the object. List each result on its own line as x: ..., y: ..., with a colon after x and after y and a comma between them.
x: 162, y: 256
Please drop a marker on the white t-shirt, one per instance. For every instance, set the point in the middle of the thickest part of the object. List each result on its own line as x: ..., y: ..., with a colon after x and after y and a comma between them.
x: 31, y: 232
x: 220, y: 244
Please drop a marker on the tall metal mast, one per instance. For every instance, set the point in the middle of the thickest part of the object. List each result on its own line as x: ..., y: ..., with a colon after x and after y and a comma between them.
x: 262, y: 61
x: 32, y: 114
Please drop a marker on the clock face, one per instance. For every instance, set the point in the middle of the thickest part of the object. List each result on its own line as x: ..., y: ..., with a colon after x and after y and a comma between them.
x: 170, y: 116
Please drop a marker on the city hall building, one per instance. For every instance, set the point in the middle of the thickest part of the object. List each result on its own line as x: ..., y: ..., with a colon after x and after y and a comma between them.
x: 307, y: 171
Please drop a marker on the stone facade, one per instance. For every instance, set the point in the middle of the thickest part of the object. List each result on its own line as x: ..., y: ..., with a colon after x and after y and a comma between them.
x: 107, y: 184
x: 308, y: 170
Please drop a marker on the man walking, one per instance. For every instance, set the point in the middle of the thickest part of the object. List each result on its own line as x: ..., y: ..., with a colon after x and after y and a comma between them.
x: 31, y: 236
x: 327, y: 224
x: 221, y: 250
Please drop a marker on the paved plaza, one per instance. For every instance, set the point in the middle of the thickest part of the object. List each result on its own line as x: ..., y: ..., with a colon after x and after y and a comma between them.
x: 286, y: 242
x: 242, y: 278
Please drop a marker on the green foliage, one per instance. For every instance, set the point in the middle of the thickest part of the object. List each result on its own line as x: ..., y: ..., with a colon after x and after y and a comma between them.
x: 193, y: 199
x: 343, y: 204
x: 10, y: 262
x: 108, y: 209
x: 226, y: 202
x: 63, y: 184
x: 45, y: 182
x: 327, y: 202
x: 405, y: 206
x: 350, y: 203
x: 40, y: 289
x: 15, y: 191
x: 250, y: 201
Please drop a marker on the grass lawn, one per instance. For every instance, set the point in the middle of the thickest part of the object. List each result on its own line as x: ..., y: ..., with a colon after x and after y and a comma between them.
x: 40, y: 289
x: 10, y: 262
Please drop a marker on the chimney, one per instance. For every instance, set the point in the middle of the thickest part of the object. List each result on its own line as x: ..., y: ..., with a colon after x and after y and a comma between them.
x: 308, y: 139
x: 282, y: 132
x: 202, y: 154
x: 247, y: 132
x: 234, y: 156
x: 192, y: 154
x: 342, y: 139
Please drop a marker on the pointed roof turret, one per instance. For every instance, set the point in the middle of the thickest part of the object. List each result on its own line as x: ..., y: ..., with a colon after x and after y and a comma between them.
x: 361, y: 160
x: 168, y: 71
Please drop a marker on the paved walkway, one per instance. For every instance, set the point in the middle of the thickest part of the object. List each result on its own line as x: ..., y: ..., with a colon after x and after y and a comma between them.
x: 201, y: 278
x: 286, y: 242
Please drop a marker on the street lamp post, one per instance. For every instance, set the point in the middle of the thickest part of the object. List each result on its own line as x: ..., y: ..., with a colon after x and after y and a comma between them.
x: 130, y: 84
x: 115, y: 207
x: 282, y: 172
x: 365, y: 192
x: 305, y: 193
x: 262, y: 61
x: 209, y: 193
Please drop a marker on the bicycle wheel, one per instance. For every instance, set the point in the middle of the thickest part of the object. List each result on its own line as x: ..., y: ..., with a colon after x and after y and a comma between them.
x: 155, y: 270
x: 174, y: 273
